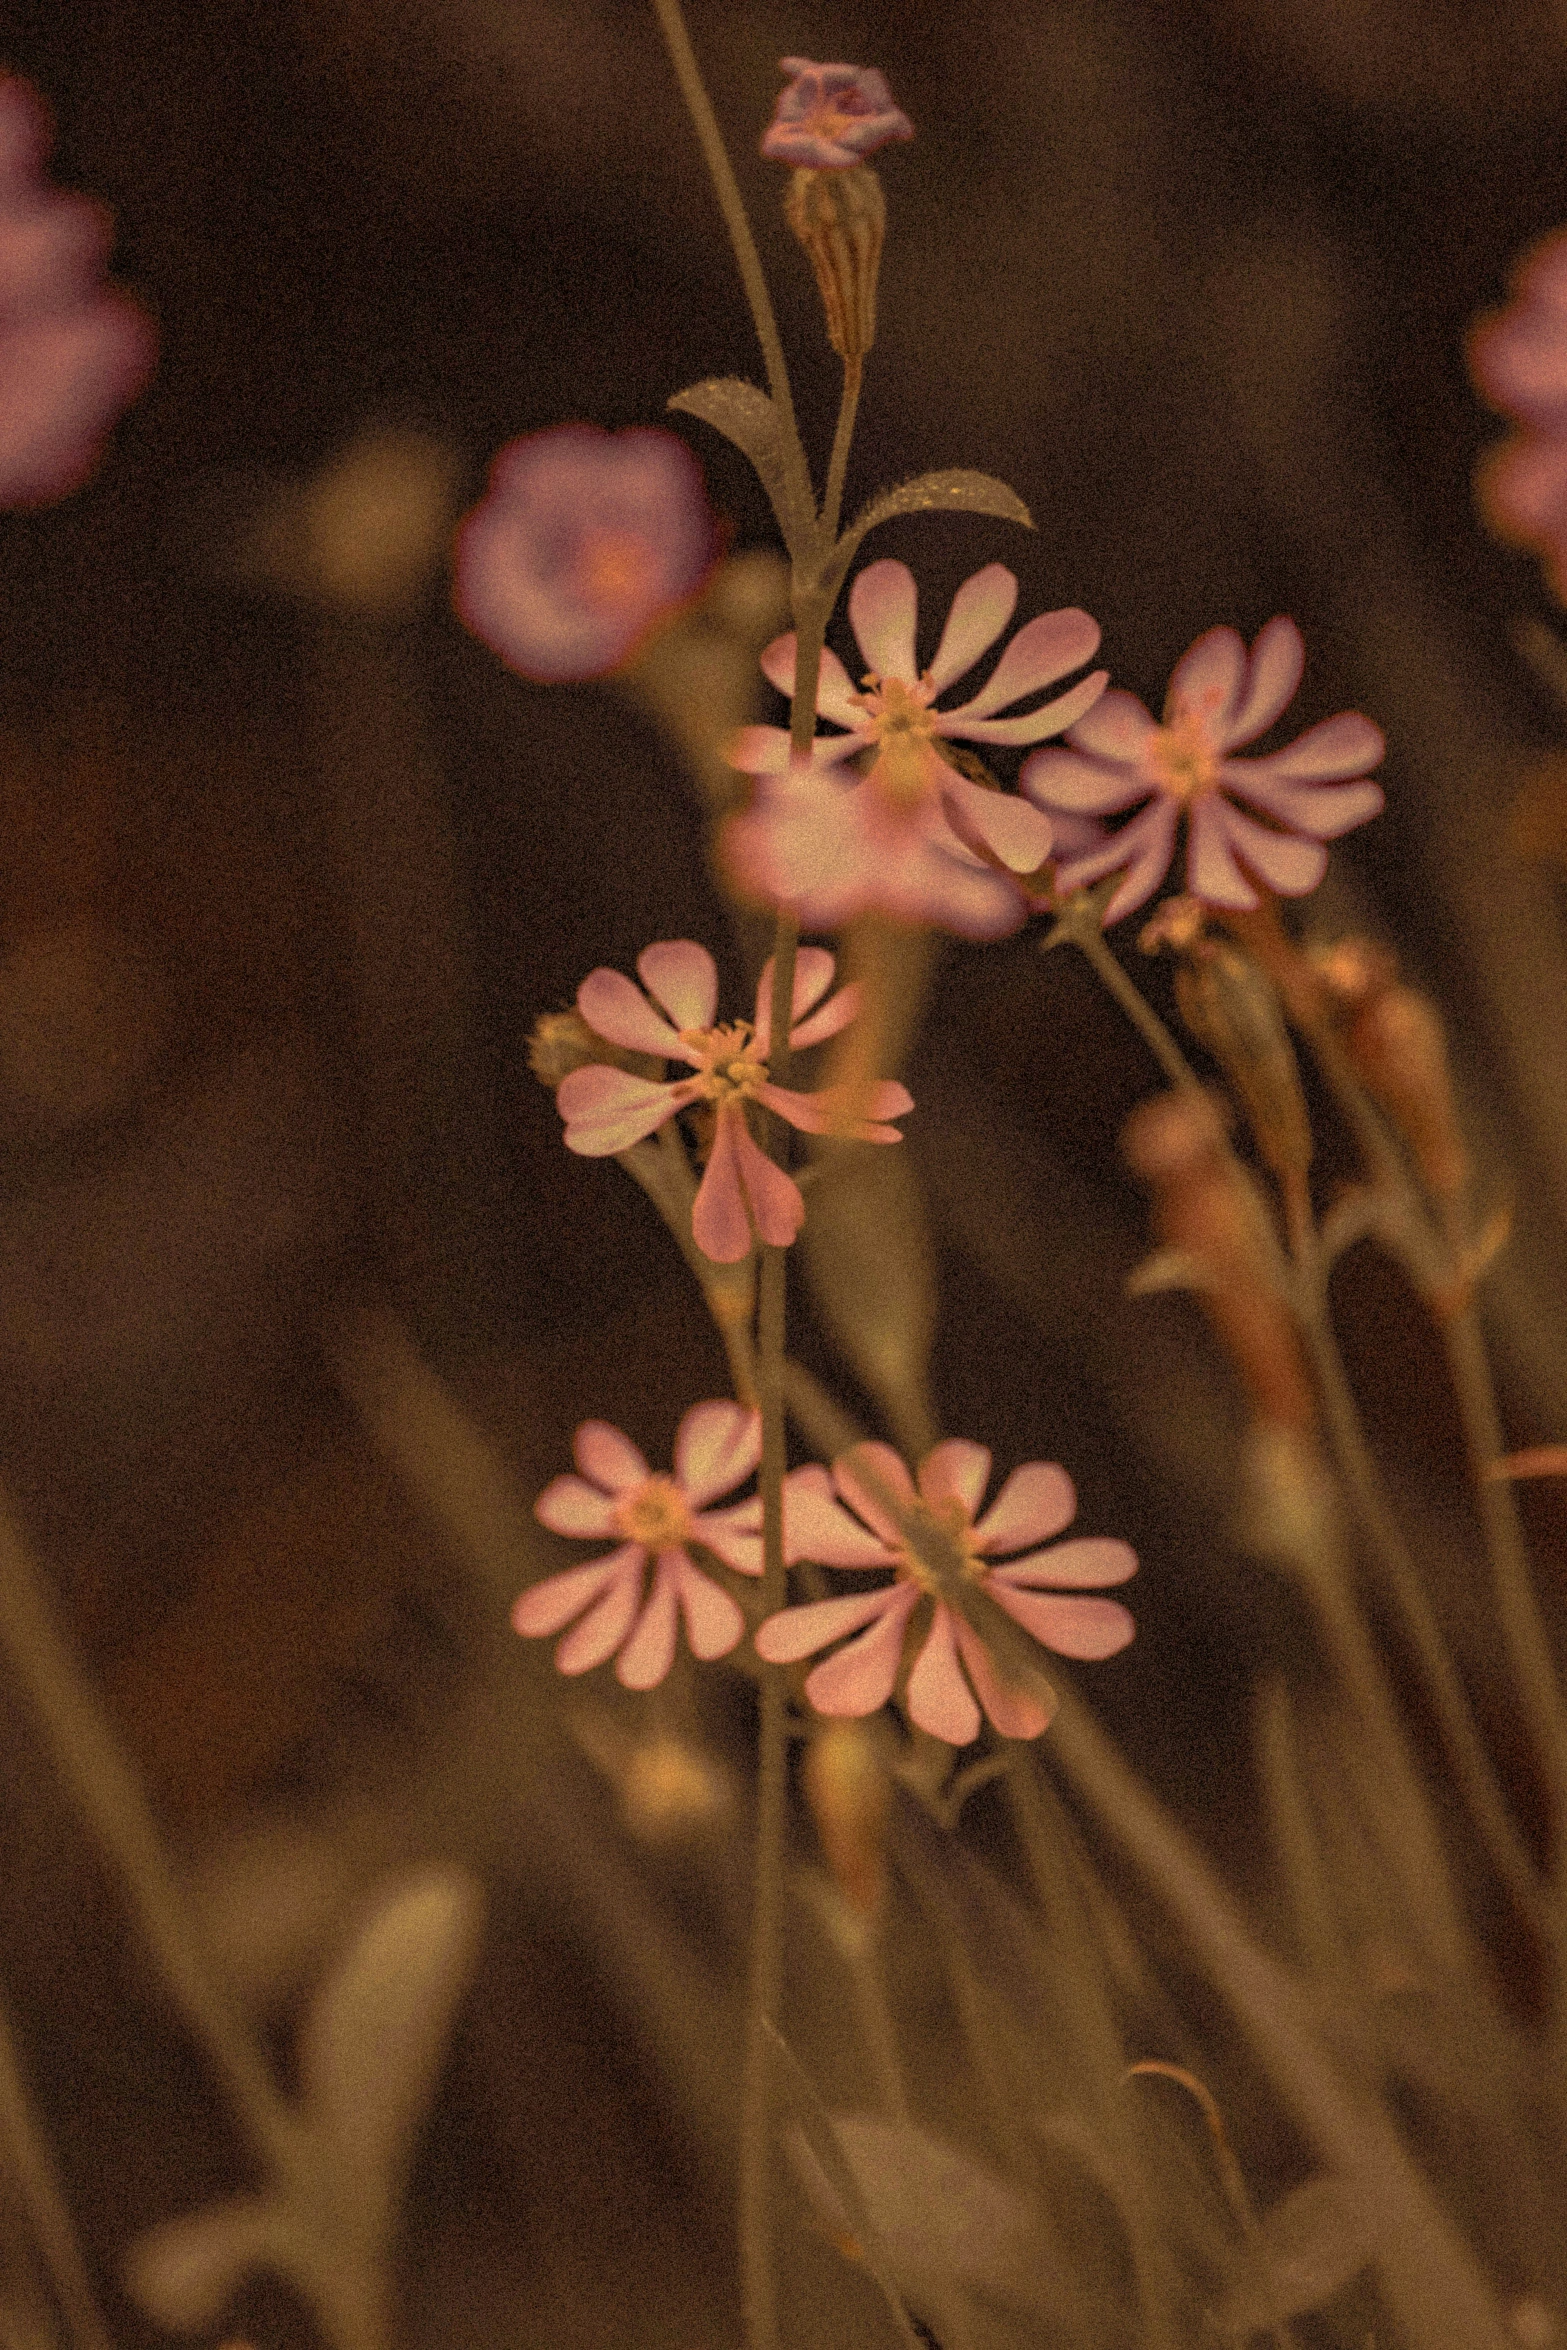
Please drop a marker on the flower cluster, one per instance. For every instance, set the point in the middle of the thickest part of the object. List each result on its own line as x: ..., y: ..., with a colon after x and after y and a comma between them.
x: 73, y: 352
x: 830, y: 117
x: 585, y: 543
x: 1519, y: 358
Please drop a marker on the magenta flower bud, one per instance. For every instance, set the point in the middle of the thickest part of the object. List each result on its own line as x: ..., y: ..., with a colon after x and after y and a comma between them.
x: 829, y: 117
x: 73, y: 352
x: 585, y: 543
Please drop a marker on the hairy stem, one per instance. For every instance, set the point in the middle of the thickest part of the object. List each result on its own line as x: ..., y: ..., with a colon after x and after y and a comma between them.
x: 848, y: 408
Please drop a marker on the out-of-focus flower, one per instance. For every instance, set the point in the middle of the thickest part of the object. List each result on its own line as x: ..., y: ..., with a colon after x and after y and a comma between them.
x: 1518, y: 357
x: 1220, y: 698
x: 943, y: 1544
x: 73, y: 352
x: 830, y: 117
x: 915, y: 838
x: 656, y: 1518
x: 608, y: 1110
x: 585, y: 542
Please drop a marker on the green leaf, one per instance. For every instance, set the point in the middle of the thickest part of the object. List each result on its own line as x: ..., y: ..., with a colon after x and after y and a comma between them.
x: 748, y: 417
x: 956, y: 490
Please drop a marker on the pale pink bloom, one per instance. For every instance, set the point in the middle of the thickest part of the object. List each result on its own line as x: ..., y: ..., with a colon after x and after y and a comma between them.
x: 829, y: 117
x: 609, y: 1109
x: 944, y: 1544
x: 585, y: 542
x: 914, y: 839
x: 73, y: 352
x: 1220, y: 697
x: 655, y: 1518
x: 1519, y: 360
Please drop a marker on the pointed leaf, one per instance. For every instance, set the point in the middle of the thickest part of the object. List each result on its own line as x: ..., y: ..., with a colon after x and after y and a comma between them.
x: 956, y: 490
x: 748, y: 417
x: 372, y: 2045
x: 184, y: 2273
x: 1304, y: 2250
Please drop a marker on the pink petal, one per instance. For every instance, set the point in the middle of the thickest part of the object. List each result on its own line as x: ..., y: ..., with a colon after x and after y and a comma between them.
x: 1050, y: 718
x: 717, y: 1444
x: 1015, y: 1712
x: 980, y: 611
x: 734, y: 1533
x: 1036, y: 1501
x: 1211, y: 871
x: 1085, y: 1563
x: 775, y: 1197
x: 1277, y: 660
x: 545, y: 1607
x: 1288, y: 865
x: 1044, y: 650
x: 1117, y: 727
x: 720, y: 1225
x: 1333, y: 752
x: 683, y: 977
x: 1208, y: 681
x: 861, y: 1677
x: 1018, y: 834
x: 882, y: 608
x: 614, y: 1006
x: 604, y: 1627
x: 836, y: 1013
x: 1522, y: 488
x: 802, y: 1631
x: 1090, y: 1628
x: 1144, y: 847
x: 889, y: 1472
x: 568, y: 1505
x: 713, y: 1622
x: 1066, y: 780
x: 609, y: 1458
x: 822, y: 1113
x: 958, y: 1470
x: 835, y: 694
x: 1323, y: 810
x: 938, y: 1697
x: 766, y: 750
x: 813, y: 970
x: 609, y: 1109
x: 816, y: 1528
x: 649, y: 1653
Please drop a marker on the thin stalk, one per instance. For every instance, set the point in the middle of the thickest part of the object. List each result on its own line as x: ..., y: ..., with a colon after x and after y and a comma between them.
x: 1091, y: 944
x: 24, y: 2152
x: 848, y: 408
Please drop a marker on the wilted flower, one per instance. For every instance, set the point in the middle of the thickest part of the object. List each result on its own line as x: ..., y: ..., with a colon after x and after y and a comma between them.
x: 1519, y: 360
x: 830, y: 117
x: 915, y: 838
x: 610, y: 1109
x: 716, y: 1448
x: 585, y: 542
x: 943, y: 1545
x: 1220, y: 698
x: 73, y: 352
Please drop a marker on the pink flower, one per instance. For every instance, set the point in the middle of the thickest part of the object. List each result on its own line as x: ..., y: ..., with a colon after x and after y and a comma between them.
x: 716, y: 1448
x: 609, y: 1109
x: 73, y: 352
x: 829, y: 117
x: 585, y: 543
x: 915, y: 839
x: 939, y: 1550
x: 1519, y: 360
x: 1220, y: 697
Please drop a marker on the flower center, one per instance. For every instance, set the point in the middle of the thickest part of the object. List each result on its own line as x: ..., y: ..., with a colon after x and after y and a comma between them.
x: 655, y: 1514
x: 732, y: 1066
x: 900, y: 716
x: 615, y: 569
x: 1180, y: 757
x: 937, y: 1551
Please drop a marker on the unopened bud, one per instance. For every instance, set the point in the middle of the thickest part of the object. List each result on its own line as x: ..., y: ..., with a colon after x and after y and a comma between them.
x: 1400, y: 1054
x: 1352, y: 971
x: 1230, y: 1006
x: 840, y: 217
x: 563, y: 1041
x: 850, y: 1794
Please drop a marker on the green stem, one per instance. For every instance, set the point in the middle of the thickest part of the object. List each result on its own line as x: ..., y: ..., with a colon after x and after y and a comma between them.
x: 1090, y: 942
x: 848, y: 408
x: 24, y: 2153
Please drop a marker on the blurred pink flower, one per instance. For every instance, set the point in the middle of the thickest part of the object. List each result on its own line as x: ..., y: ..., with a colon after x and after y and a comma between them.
x: 945, y: 1544
x: 1220, y: 697
x: 73, y: 352
x: 609, y: 1109
x: 1519, y: 360
x: 830, y: 117
x: 915, y: 839
x: 716, y: 1448
x: 585, y: 542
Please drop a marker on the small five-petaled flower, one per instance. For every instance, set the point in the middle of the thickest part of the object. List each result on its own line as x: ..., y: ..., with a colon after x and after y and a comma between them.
x: 609, y: 1109
x: 937, y: 1544
x: 830, y: 117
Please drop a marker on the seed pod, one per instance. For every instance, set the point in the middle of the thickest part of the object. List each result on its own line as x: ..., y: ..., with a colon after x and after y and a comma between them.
x: 1400, y: 1054
x: 840, y: 217
x: 1230, y: 1006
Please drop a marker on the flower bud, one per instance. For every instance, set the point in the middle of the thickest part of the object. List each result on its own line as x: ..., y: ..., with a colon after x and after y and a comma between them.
x: 563, y: 1041
x: 840, y: 217
x: 850, y: 1794
x: 1400, y: 1055
x: 1230, y: 1006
